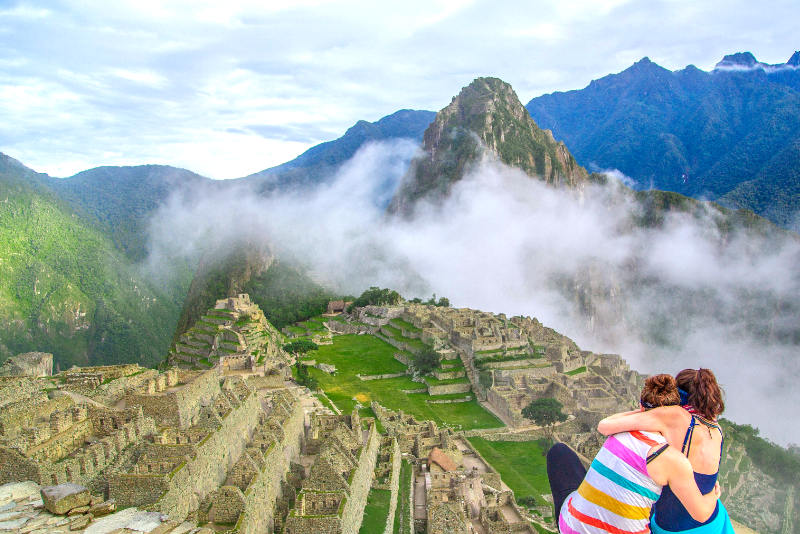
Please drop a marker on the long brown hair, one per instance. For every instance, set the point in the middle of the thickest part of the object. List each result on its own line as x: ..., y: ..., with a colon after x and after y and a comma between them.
x: 660, y: 390
x: 704, y: 394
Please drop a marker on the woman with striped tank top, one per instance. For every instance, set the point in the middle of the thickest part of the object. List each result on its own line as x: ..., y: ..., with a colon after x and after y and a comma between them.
x: 693, y: 428
x: 626, y: 477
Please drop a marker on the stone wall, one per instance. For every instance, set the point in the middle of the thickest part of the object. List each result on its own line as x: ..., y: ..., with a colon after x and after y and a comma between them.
x: 85, y: 464
x: 184, y: 487
x: 315, y: 525
x: 394, y: 486
x: 111, y: 392
x: 338, y: 327
x: 180, y: 406
x: 213, y: 458
x: 361, y: 482
x: 23, y: 413
x: 265, y: 488
x: 399, y: 345
x: 465, y: 398
x: 402, y: 358
x: 34, y: 364
x: 268, y: 381
x: 446, y: 389
x: 380, y: 377
x: 13, y: 388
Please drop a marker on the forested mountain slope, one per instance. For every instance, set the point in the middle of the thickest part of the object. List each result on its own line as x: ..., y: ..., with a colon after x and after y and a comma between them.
x: 730, y: 134
x: 65, y: 288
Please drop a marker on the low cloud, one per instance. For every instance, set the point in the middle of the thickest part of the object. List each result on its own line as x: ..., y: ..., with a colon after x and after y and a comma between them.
x: 682, y: 295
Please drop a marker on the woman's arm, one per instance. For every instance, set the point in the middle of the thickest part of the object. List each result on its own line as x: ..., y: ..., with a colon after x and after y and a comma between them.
x: 655, y: 420
x: 681, y: 480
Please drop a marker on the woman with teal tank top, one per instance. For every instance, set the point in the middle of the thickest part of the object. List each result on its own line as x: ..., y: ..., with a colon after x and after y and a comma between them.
x: 693, y: 429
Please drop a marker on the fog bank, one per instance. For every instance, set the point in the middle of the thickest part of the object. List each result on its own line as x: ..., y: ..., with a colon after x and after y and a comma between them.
x: 678, y: 296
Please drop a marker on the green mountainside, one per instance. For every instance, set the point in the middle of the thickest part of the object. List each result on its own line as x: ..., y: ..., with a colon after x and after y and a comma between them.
x: 486, y: 117
x: 320, y: 162
x: 65, y: 288
x: 731, y: 134
x: 284, y: 292
x: 120, y: 200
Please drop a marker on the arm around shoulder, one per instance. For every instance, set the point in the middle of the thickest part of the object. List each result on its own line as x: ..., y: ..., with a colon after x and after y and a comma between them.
x: 655, y: 420
x: 679, y: 475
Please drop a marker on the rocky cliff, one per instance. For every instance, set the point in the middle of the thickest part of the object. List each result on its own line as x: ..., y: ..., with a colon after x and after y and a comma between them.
x: 486, y: 119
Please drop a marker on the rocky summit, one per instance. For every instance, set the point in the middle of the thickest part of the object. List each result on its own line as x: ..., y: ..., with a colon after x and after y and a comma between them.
x: 486, y: 119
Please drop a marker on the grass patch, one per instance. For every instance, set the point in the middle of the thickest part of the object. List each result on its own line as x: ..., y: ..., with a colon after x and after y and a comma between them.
x: 577, y: 371
x: 401, y: 517
x: 433, y: 381
x: 325, y: 402
x: 367, y: 412
x: 376, y: 511
x: 521, y: 465
x: 368, y: 355
x: 396, y: 334
x: 405, y: 325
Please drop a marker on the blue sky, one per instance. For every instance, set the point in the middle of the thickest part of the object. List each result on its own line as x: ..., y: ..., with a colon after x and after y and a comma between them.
x: 230, y: 88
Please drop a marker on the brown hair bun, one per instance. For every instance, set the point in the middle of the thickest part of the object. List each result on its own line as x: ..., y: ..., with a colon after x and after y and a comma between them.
x: 660, y: 390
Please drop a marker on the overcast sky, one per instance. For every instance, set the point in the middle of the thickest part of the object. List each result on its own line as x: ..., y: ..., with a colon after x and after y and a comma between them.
x: 228, y: 88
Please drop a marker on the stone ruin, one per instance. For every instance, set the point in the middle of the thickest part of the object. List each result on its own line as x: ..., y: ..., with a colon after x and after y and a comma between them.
x: 235, y: 335
x: 509, y: 362
x: 225, y: 451
x: 459, y: 491
x: 35, y: 364
x: 339, y: 464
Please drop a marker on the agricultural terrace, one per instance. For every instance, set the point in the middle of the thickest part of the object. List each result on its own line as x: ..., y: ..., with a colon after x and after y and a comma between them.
x: 368, y: 355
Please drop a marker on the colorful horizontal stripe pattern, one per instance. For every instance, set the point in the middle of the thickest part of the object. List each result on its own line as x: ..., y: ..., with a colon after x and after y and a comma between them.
x: 617, y: 494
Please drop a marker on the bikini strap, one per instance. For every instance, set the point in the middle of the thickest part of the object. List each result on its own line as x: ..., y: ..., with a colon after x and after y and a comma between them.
x: 687, y: 439
x: 655, y: 454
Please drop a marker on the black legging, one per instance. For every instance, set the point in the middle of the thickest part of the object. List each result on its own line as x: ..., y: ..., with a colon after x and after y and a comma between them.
x: 565, y: 471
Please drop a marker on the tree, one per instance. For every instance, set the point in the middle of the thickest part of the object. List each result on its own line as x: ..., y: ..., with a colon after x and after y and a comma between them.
x: 377, y: 297
x: 426, y: 361
x: 544, y: 412
x: 300, y: 346
x: 304, y: 378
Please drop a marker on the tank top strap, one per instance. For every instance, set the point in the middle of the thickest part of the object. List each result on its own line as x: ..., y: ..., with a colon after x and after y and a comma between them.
x: 687, y: 439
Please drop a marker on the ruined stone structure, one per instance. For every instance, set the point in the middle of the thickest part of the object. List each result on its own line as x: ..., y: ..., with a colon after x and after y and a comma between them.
x: 235, y: 335
x: 206, y: 445
x: 333, y: 495
x: 511, y: 362
x: 34, y: 364
x: 455, y: 489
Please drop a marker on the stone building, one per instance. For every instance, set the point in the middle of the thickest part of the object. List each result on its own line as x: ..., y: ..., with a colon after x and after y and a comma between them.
x: 332, y: 497
x: 35, y: 364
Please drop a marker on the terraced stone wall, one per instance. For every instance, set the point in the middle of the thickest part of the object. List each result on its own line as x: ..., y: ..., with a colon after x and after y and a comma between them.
x: 360, y: 484
x: 214, y: 456
x: 265, y: 488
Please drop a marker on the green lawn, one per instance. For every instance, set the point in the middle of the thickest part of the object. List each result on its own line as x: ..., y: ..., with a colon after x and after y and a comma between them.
x: 401, y: 516
x: 576, y: 371
x: 521, y: 465
x: 405, y: 325
x: 376, y: 511
x: 368, y: 355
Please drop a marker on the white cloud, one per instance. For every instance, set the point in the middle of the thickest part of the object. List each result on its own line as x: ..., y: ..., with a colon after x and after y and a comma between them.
x: 153, y: 71
x: 503, y: 242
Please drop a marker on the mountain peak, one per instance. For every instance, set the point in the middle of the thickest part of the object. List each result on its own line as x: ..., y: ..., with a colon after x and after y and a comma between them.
x: 738, y: 60
x: 486, y: 118
x: 794, y: 61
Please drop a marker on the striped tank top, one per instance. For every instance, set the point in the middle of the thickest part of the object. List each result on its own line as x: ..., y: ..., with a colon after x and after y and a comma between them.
x: 617, y: 494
